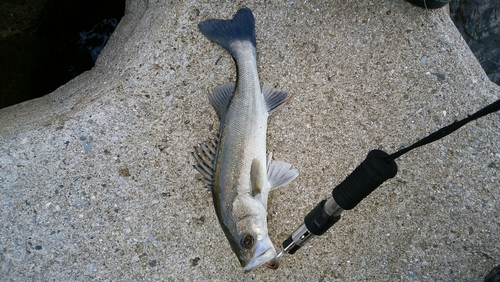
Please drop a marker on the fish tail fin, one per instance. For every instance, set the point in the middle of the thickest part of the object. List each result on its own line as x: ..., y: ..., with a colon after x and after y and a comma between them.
x: 224, y: 32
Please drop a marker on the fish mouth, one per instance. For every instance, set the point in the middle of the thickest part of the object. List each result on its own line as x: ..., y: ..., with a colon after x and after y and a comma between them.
x: 260, y: 258
x: 272, y: 264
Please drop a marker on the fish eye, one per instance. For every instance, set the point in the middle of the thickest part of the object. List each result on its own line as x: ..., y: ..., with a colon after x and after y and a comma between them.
x: 247, y: 241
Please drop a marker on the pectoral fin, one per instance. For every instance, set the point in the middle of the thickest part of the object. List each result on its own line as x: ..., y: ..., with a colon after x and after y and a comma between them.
x: 279, y: 173
x: 275, y: 98
x: 220, y: 98
x: 257, y: 177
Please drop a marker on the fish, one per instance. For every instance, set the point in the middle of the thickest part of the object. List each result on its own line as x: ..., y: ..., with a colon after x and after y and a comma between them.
x: 234, y: 164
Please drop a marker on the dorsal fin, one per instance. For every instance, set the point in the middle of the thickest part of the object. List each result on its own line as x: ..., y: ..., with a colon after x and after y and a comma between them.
x: 275, y: 98
x: 220, y: 98
x: 204, y: 155
x: 279, y: 173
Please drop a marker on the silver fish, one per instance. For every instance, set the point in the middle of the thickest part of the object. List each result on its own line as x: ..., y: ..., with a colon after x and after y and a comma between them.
x: 234, y: 165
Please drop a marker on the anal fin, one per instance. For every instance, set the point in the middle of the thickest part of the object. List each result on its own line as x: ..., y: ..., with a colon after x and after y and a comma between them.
x: 275, y: 98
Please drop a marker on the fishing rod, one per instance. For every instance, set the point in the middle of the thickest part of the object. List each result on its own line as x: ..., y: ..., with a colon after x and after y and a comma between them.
x: 368, y: 176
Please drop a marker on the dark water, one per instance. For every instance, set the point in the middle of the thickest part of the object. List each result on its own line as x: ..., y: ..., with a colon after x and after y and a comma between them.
x: 479, y: 23
x: 89, y: 45
x: 59, y: 45
x: 67, y: 40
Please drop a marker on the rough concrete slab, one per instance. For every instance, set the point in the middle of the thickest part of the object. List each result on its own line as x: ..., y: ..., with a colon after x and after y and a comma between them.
x: 96, y: 178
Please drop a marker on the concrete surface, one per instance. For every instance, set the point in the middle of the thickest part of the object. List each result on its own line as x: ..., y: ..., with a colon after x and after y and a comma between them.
x: 96, y: 178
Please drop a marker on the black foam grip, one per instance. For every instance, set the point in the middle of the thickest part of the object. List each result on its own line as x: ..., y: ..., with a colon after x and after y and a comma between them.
x: 369, y: 175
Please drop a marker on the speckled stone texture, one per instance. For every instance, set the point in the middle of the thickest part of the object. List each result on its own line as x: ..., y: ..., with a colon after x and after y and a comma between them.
x: 96, y: 180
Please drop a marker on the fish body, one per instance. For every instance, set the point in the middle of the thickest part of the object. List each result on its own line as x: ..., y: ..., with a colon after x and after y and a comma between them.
x: 234, y: 165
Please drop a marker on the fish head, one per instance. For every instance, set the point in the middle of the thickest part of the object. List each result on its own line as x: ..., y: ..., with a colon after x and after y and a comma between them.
x: 248, y: 238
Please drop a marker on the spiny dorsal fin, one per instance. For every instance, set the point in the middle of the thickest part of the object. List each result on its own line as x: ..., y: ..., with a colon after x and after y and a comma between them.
x: 220, y: 98
x: 204, y: 155
x: 279, y: 173
x: 274, y: 97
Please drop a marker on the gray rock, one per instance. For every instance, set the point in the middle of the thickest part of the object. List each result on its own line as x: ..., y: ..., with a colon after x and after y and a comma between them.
x: 125, y: 215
